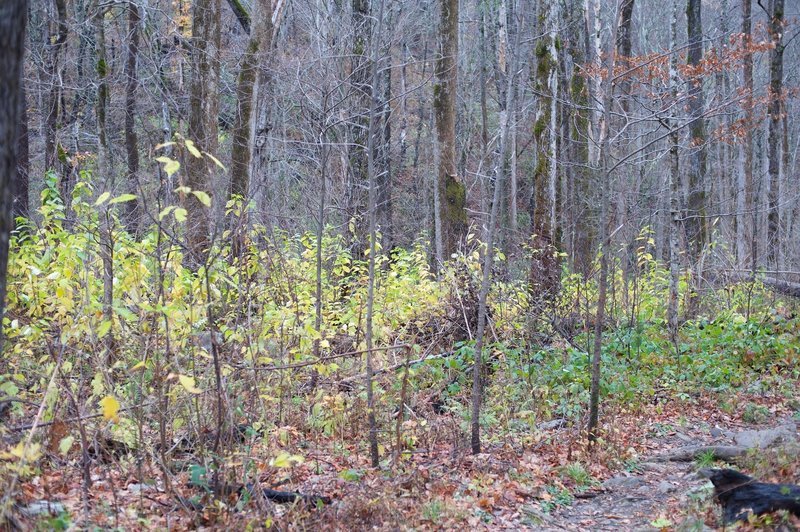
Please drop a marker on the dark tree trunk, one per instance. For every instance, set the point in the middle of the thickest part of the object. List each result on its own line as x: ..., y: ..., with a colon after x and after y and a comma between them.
x: 131, y: 141
x: 696, y: 231
x: 746, y: 222
x: 775, y: 109
x: 13, y: 19
x: 357, y: 188
x: 55, y: 43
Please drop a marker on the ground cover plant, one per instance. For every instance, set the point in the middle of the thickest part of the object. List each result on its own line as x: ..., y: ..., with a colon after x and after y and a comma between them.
x: 197, y: 389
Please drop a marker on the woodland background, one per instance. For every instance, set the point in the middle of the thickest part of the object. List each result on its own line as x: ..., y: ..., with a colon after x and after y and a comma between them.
x: 258, y: 243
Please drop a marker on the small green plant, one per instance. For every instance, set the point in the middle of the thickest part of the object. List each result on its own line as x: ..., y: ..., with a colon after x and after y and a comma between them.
x: 755, y: 413
x: 433, y: 511
x: 705, y: 459
x: 556, y: 497
x: 632, y: 465
x: 662, y: 523
x: 352, y: 475
x: 578, y: 474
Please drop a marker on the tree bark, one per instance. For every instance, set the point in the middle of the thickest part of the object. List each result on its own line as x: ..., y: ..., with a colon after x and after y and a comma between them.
x: 695, y: 226
x: 131, y: 211
x: 452, y: 192
x: 241, y: 150
x: 203, y: 115
x: 774, y: 145
x: 543, y: 276
x: 745, y: 220
x: 21, y: 200
x: 13, y: 20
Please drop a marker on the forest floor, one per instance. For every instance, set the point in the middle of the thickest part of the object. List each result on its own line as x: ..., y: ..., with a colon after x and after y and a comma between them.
x: 541, y: 480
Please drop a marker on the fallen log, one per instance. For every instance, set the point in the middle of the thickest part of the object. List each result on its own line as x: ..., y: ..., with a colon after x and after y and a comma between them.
x: 276, y: 496
x: 727, y: 453
x: 788, y: 288
x: 740, y: 495
x: 288, y: 497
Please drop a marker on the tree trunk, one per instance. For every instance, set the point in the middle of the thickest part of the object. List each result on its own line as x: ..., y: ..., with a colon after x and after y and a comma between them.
x: 356, y: 200
x: 605, y: 246
x: 21, y: 200
x: 452, y: 192
x: 695, y: 226
x: 13, y: 20
x: 56, y: 41
x: 776, y: 28
x: 203, y: 115
x: 745, y: 223
x: 131, y: 212
x: 488, y: 259
x: 674, y: 197
x: 241, y: 150
x: 372, y: 133
x: 543, y: 276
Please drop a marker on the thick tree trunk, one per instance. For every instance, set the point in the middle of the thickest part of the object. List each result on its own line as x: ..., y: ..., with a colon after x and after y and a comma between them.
x: 384, y: 176
x: 745, y: 223
x: 695, y: 226
x: 452, y: 192
x: 131, y: 213
x: 543, y: 276
x: 13, y: 20
x: 357, y: 188
x: 242, y: 146
x: 774, y: 145
x: 203, y: 115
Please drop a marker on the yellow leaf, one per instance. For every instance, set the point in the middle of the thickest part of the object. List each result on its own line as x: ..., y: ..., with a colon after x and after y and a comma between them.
x: 170, y: 165
x: 202, y: 197
x: 192, y: 149
x: 122, y: 198
x: 216, y: 161
x: 188, y: 383
x: 102, y: 199
x: 180, y: 214
x: 284, y: 460
x: 110, y: 408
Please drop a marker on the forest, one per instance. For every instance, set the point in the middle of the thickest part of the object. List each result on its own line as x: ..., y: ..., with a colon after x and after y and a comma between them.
x: 399, y: 265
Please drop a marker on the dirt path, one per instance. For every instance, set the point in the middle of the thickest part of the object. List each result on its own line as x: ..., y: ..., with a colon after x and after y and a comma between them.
x: 663, y: 494
x: 633, y: 502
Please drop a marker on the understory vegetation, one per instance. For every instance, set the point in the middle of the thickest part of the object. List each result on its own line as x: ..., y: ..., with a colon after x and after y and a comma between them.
x: 190, y: 381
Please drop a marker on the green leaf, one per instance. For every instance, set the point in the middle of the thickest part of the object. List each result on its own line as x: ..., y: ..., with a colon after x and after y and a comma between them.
x: 192, y: 149
x: 102, y: 198
x: 180, y: 214
x: 65, y: 445
x: 202, y: 197
x: 122, y: 199
x: 164, y: 213
x: 103, y: 329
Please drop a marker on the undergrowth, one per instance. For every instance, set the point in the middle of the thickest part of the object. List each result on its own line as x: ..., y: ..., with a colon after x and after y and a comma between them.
x: 149, y: 370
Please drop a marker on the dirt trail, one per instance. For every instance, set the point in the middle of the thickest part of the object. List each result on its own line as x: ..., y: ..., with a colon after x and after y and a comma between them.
x: 662, y: 494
